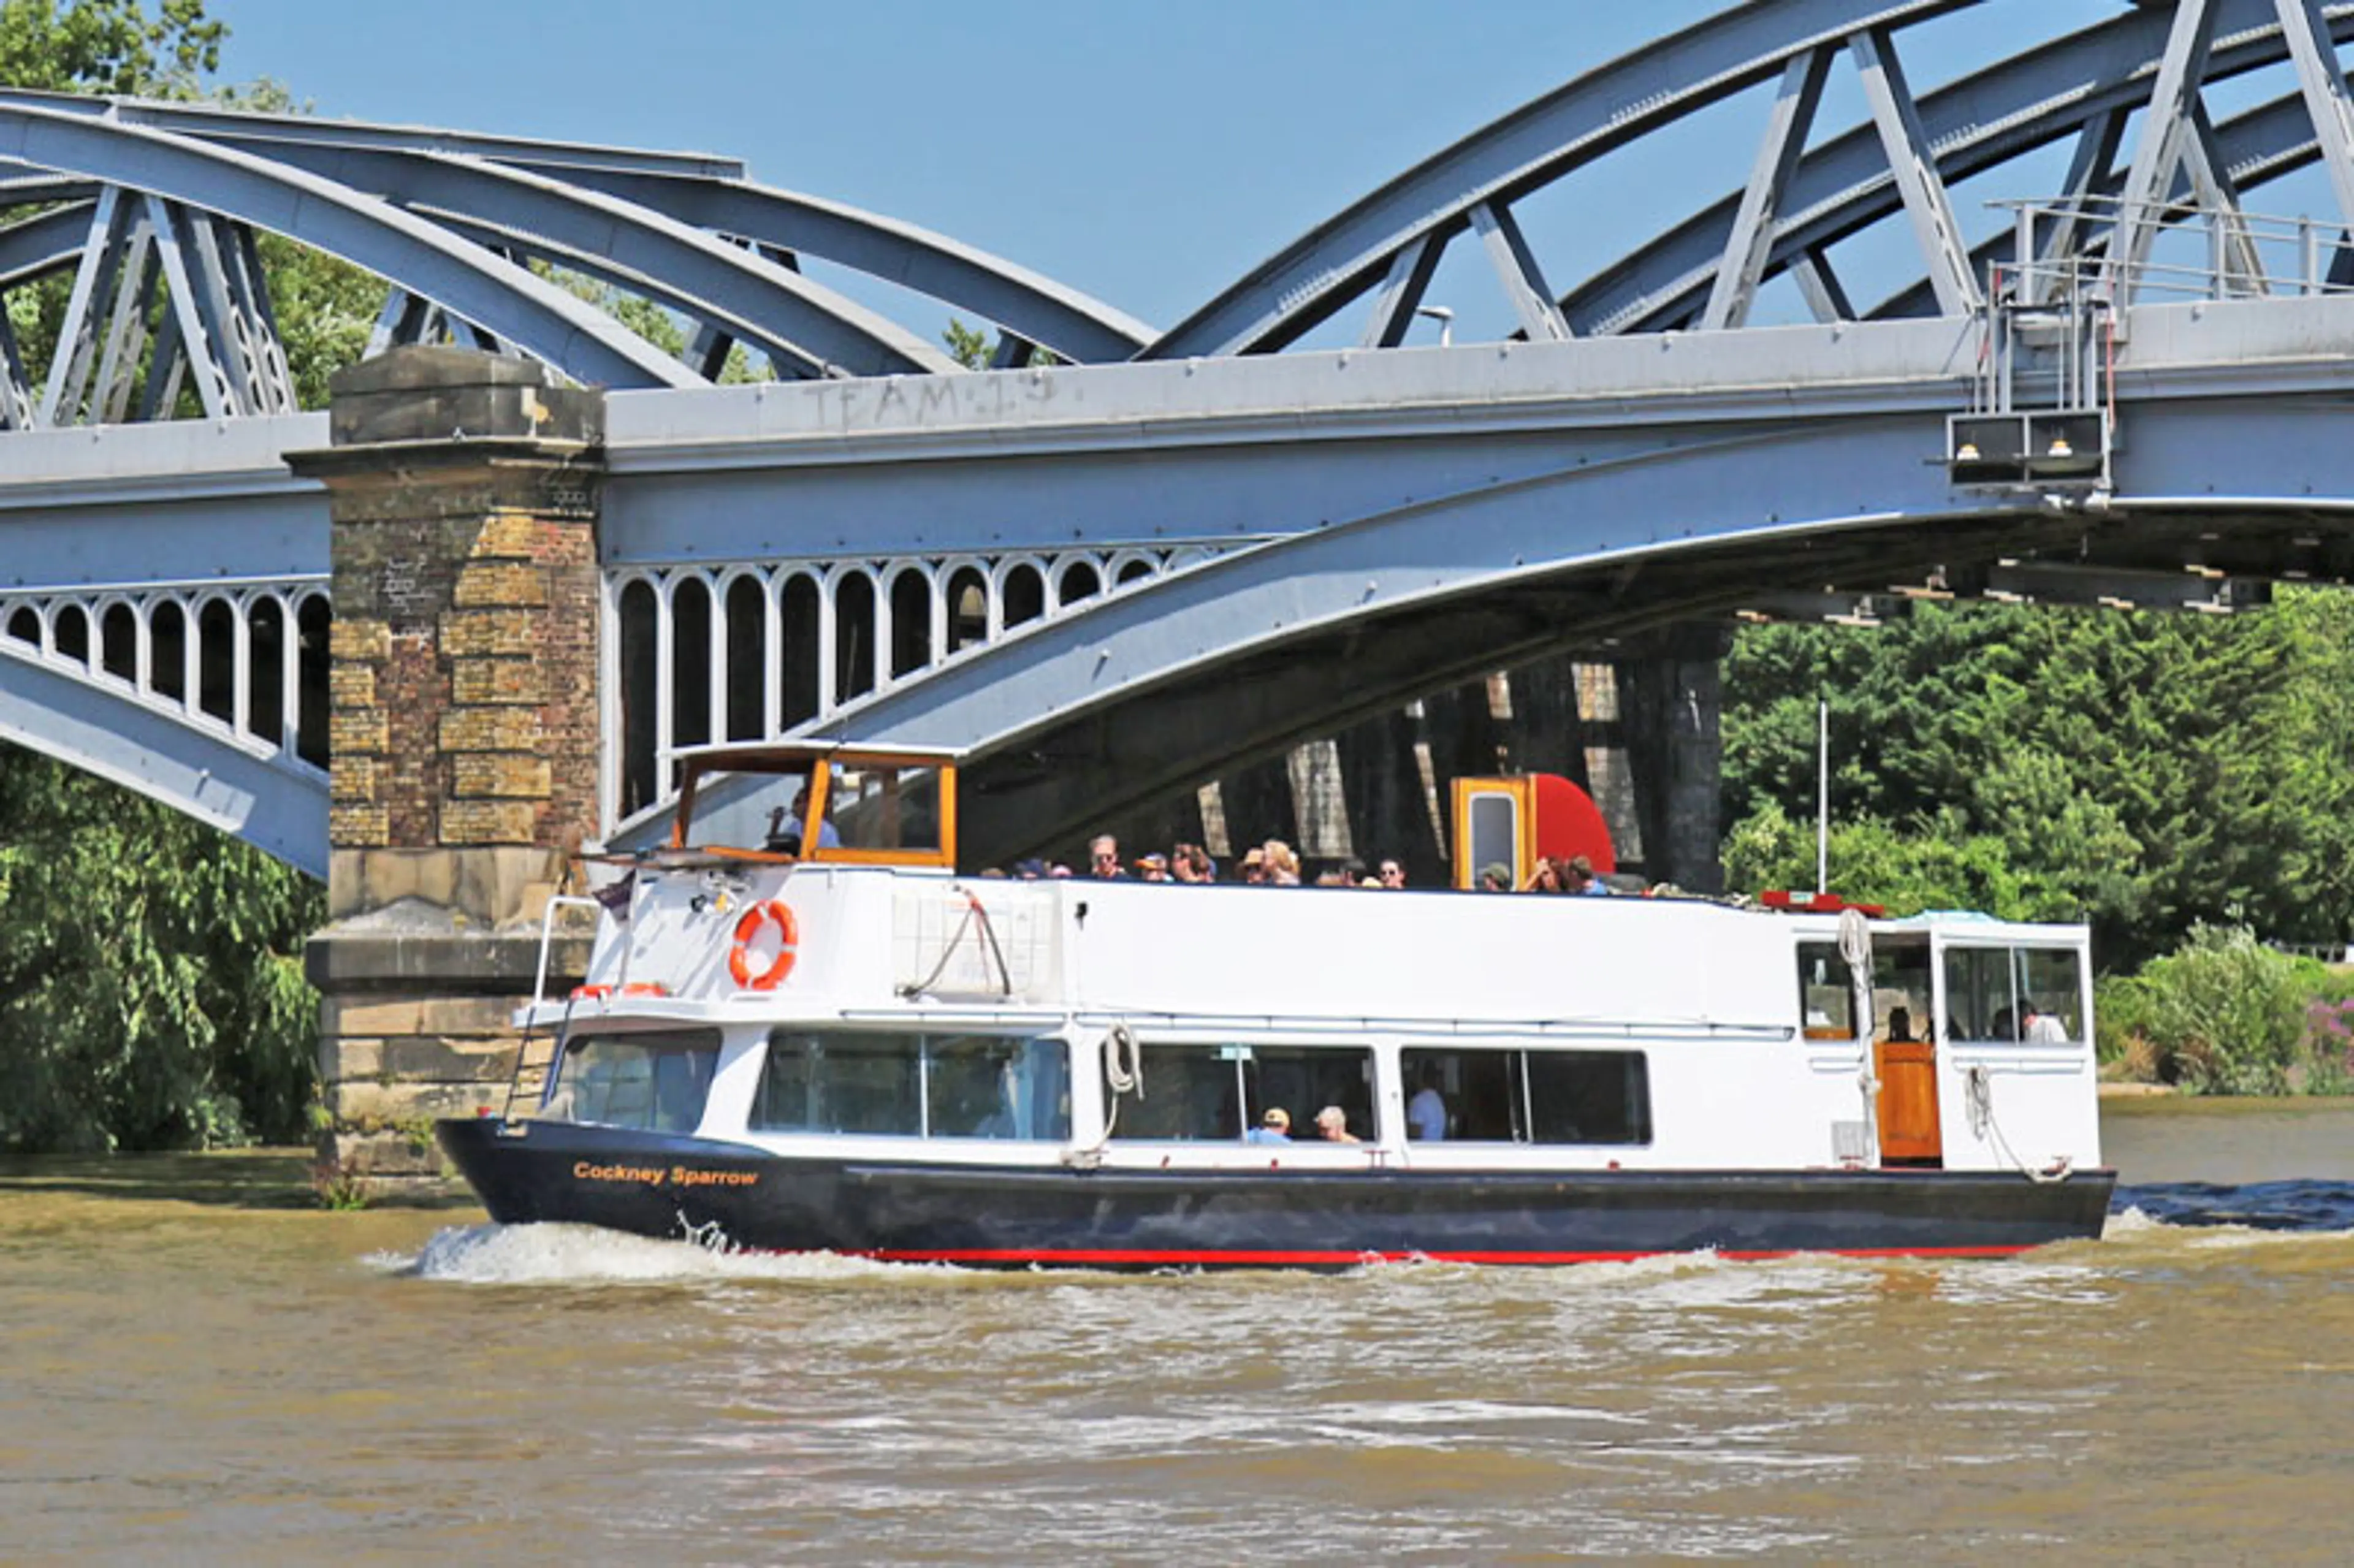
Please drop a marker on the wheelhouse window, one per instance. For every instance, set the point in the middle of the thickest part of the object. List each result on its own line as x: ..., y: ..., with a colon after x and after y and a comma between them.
x: 651, y: 1083
x: 1207, y: 1091
x: 914, y: 1085
x: 855, y: 807
x: 2006, y: 994
x: 1528, y: 1096
x: 889, y: 809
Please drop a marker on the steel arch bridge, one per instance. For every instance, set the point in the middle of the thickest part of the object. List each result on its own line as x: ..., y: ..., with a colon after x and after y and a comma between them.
x: 1268, y: 519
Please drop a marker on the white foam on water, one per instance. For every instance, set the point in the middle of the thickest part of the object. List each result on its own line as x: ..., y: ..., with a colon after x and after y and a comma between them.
x: 586, y: 1254
x: 2128, y: 1222
x: 2131, y: 1224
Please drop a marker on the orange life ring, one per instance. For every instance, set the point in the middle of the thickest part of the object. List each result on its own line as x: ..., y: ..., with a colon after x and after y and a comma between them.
x: 788, y: 937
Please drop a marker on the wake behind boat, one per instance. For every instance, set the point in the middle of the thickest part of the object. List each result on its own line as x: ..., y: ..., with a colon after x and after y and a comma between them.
x: 826, y: 1039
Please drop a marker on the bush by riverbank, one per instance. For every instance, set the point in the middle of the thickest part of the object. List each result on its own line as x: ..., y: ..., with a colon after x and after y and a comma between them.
x: 2224, y: 1015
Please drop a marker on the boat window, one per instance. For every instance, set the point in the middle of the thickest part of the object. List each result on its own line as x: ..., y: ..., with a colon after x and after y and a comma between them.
x: 914, y: 1085
x: 1495, y: 831
x: 1529, y: 1097
x: 1826, y: 997
x: 885, y: 808
x: 1900, y: 979
x: 749, y: 811
x: 1988, y: 995
x: 2047, y: 982
x: 987, y: 1086
x: 1993, y: 991
x: 1211, y: 1091
x: 655, y: 1083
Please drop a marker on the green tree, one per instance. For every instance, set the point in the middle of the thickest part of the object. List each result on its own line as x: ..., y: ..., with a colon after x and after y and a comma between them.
x: 150, y: 987
x: 150, y: 993
x: 2147, y: 771
x: 109, y: 46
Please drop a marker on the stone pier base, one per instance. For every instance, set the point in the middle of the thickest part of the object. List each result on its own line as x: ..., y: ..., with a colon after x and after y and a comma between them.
x: 421, y: 985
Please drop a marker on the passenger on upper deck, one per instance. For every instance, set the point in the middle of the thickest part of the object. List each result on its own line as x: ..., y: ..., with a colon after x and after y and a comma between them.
x: 1282, y: 864
x: 1275, y: 1127
x: 1153, y: 868
x: 1192, y: 862
x: 1392, y: 874
x: 1495, y: 877
x: 1581, y: 879
x: 1103, y: 858
x: 1545, y: 878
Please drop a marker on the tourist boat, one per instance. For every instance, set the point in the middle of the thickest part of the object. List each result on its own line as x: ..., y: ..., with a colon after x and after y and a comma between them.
x: 832, y: 1040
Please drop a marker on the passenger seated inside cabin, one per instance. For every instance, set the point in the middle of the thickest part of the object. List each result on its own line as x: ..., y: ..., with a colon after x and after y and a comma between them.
x: 1425, y: 1114
x: 1332, y: 1126
x: 785, y: 831
x: 1275, y: 1127
x: 2004, y: 1027
x: 2043, y: 1028
x: 1900, y: 1026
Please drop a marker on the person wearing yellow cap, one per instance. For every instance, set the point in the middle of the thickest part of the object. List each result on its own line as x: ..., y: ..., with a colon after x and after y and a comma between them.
x: 1275, y: 1127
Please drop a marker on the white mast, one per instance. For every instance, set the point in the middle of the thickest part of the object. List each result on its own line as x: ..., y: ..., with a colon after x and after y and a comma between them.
x: 1823, y: 794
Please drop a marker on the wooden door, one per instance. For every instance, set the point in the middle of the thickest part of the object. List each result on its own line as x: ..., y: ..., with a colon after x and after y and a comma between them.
x: 1907, y: 1070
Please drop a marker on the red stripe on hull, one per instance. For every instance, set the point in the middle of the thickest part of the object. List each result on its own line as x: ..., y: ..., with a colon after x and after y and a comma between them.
x: 1186, y: 1259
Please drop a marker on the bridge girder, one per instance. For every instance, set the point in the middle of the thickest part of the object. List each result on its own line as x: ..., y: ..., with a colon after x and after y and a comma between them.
x: 1643, y: 516
x: 568, y: 332
x: 1384, y: 248
x: 243, y: 787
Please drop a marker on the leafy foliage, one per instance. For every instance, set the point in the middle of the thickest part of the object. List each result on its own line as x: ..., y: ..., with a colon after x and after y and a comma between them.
x: 108, y: 46
x: 2148, y: 772
x: 2225, y: 1014
x: 151, y: 991
x: 151, y: 984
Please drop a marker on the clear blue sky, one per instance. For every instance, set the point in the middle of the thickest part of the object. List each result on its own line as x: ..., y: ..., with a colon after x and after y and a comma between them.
x: 1145, y: 151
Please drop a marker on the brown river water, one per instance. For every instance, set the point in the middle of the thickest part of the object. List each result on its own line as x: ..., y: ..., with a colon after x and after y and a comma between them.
x: 195, y: 1369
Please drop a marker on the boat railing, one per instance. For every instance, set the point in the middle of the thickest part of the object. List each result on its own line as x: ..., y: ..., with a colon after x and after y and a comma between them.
x: 532, y: 1067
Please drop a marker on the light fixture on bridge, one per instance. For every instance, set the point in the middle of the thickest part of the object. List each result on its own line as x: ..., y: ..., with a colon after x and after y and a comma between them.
x: 2040, y: 448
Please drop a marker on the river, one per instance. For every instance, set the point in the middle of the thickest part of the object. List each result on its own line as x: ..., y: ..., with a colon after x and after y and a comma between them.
x: 193, y: 1368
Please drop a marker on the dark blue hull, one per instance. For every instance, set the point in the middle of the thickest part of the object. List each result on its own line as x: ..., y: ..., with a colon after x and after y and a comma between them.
x: 657, y: 1185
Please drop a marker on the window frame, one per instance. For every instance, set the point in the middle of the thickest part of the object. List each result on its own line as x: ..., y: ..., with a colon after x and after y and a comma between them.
x: 1049, y: 1056
x: 575, y: 1060
x: 1249, y: 1095
x: 1520, y: 1096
